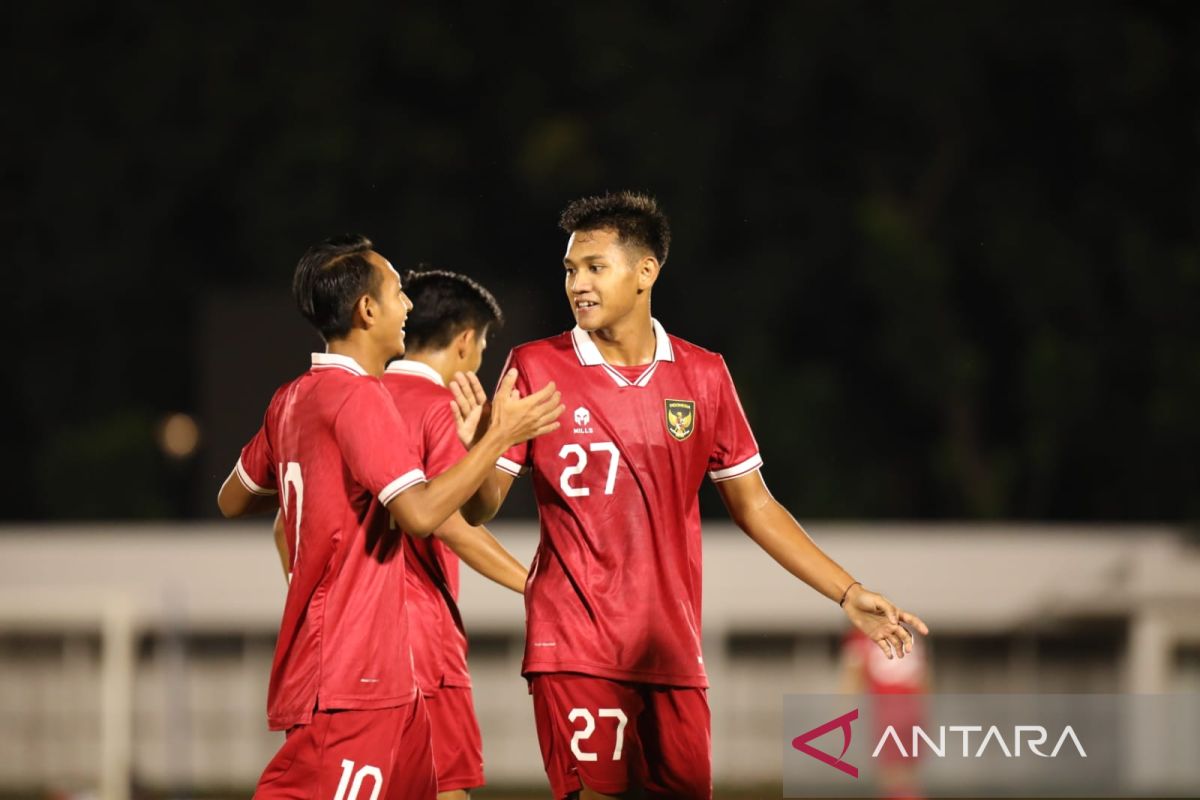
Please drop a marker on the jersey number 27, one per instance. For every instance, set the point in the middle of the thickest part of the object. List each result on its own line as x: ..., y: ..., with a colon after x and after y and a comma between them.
x: 580, y: 456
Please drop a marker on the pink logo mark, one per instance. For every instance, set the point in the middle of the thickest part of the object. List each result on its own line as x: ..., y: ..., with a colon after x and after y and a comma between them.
x: 801, y: 743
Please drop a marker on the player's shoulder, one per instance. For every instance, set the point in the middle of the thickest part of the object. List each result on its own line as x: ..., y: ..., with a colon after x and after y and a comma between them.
x: 413, y: 385
x: 335, y: 379
x: 420, y: 401
x: 358, y: 393
x: 286, y: 391
x: 694, y: 356
x: 283, y: 390
x: 557, y: 345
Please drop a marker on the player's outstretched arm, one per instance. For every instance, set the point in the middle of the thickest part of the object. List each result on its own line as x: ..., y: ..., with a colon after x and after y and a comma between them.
x: 281, y: 547
x: 482, y: 552
x: 421, y: 509
x: 770, y: 525
x: 235, y: 500
x: 486, y: 502
x: 882, y: 622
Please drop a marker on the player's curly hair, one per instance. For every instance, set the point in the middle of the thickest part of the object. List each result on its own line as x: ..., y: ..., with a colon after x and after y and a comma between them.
x: 635, y: 217
x: 330, y: 278
x: 444, y: 305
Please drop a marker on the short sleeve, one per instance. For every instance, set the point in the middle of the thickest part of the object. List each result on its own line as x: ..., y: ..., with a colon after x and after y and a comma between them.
x: 371, y: 436
x: 442, y: 448
x: 734, y: 453
x: 255, y: 465
x: 515, y: 460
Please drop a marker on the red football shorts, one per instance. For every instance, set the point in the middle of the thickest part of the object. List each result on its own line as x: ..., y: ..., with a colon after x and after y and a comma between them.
x: 457, y: 743
x: 381, y: 754
x: 613, y: 736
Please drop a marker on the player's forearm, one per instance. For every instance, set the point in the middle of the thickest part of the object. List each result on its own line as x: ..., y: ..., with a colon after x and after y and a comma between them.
x: 281, y: 546
x: 483, y: 506
x: 782, y: 537
x: 482, y: 552
x: 423, y: 508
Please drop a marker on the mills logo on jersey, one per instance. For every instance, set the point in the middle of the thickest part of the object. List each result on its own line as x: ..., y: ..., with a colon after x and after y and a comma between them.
x: 681, y: 418
x: 582, y: 418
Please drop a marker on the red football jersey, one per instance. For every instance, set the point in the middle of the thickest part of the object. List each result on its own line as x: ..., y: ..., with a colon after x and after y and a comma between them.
x: 614, y: 590
x: 439, y: 641
x: 343, y: 642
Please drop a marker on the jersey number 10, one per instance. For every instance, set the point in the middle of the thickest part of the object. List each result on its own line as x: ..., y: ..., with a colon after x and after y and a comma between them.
x: 292, y: 482
x: 581, y: 459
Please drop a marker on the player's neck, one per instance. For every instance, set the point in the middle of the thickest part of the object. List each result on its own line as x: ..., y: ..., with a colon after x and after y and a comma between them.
x: 368, y: 357
x: 442, y: 362
x: 629, y: 342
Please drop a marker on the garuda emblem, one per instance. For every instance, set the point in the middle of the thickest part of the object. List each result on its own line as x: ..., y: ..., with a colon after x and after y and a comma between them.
x: 681, y: 418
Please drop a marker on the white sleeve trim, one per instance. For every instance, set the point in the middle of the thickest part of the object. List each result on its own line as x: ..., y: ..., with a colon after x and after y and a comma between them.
x: 737, y: 470
x: 511, y: 467
x: 405, y: 481
x: 249, y: 483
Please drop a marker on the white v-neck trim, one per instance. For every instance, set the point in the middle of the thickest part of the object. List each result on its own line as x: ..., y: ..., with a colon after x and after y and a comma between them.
x: 590, y: 356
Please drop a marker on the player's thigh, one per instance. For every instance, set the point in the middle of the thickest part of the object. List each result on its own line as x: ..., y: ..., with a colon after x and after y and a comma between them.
x: 380, y: 754
x: 676, y: 735
x: 295, y: 768
x: 588, y: 733
x: 457, y: 743
x: 412, y: 756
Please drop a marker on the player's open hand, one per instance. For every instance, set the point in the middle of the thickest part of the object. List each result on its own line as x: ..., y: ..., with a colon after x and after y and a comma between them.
x: 518, y: 419
x: 887, y: 626
x: 472, y: 412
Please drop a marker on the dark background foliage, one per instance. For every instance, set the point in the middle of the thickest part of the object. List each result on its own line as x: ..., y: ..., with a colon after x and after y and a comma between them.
x: 948, y: 249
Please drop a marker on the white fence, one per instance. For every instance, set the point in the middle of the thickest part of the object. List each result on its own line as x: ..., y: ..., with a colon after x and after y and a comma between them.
x: 141, y: 652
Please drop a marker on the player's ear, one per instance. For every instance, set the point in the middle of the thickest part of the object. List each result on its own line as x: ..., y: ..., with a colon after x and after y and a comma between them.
x: 463, y: 341
x: 366, y: 311
x: 647, y: 273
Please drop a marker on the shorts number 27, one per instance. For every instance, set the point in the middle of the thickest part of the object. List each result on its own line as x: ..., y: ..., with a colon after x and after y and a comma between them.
x: 589, y: 727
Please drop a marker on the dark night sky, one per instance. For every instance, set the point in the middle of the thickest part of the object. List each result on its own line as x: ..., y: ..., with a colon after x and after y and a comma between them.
x: 948, y: 249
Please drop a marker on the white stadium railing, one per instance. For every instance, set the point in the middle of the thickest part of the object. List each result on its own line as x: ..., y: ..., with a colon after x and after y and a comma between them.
x: 140, y: 652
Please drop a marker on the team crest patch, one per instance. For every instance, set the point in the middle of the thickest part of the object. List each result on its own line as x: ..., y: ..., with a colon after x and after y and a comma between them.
x: 681, y: 418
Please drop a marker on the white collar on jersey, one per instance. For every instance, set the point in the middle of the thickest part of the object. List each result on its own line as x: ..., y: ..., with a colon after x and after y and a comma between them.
x: 323, y: 360
x: 420, y: 368
x: 590, y: 356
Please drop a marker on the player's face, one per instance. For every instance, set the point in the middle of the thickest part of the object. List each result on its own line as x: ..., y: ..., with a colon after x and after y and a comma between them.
x: 601, y: 278
x: 392, y: 305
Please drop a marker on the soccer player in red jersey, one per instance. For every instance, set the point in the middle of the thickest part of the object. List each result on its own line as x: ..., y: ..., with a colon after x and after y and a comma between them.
x: 613, y: 601
x: 446, y: 333
x: 335, y: 453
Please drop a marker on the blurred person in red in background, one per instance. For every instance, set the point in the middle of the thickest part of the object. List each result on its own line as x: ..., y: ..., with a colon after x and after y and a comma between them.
x: 897, y: 687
